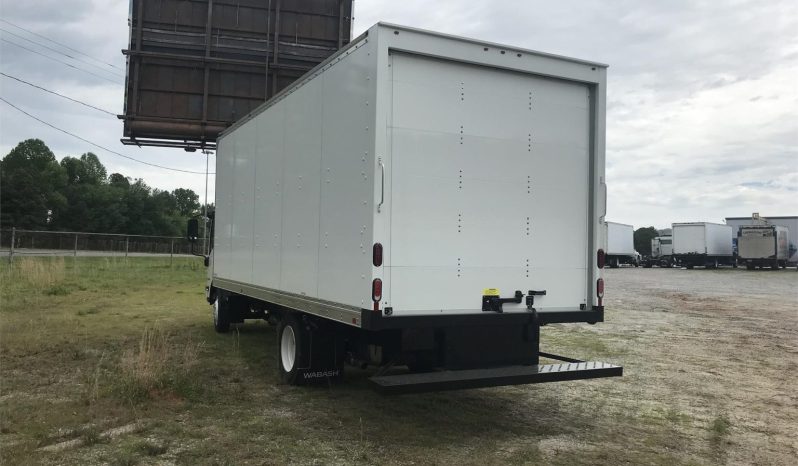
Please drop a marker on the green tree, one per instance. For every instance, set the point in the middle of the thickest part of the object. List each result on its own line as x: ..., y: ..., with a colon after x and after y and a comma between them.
x: 78, y: 195
x: 643, y: 237
x: 119, y: 180
x: 93, y: 170
x: 86, y: 170
x: 187, y: 202
x: 31, y: 184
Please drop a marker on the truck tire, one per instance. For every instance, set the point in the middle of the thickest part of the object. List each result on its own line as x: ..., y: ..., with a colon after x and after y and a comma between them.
x: 308, y: 351
x: 221, y: 313
x: 750, y: 266
x: 774, y: 265
x: 291, y: 348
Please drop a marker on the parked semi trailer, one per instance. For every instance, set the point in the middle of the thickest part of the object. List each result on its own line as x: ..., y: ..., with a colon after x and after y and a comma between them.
x: 763, y: 246
x: 620, y: 245
x: 417, y: 200
x: 661, y: 253
x: 703, y: 244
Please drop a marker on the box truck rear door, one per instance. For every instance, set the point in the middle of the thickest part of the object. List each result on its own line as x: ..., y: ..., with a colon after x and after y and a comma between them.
x: 490, y: 186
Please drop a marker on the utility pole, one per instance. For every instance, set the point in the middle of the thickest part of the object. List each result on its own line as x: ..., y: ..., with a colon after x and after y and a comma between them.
x: 205, y: 207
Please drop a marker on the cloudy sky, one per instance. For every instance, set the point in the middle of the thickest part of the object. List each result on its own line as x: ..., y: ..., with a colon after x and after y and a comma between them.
x: 702, y: 109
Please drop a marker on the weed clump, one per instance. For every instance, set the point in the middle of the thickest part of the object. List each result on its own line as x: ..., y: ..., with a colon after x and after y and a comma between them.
x: 57, y: 290
x: 158, y: 367
x: 41, y: 274
x: 719, y: 429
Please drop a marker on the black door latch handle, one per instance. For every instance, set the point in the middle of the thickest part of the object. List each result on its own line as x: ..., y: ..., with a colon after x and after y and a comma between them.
x: 530, y: 298
x: 494, y: 303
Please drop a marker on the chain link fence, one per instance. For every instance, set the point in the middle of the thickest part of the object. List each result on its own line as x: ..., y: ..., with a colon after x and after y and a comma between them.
x: 14, y: 242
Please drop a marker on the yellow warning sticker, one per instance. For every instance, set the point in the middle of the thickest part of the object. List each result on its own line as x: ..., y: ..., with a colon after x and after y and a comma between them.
x: 490, y: 292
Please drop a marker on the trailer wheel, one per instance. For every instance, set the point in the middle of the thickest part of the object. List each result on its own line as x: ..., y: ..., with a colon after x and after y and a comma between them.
x: 750, y: 266
x: 221, y: 313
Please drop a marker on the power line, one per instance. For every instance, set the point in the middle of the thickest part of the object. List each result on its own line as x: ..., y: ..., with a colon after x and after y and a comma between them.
x: 98, y: 145
x: 56, y: 93
x: 59, y: 61
x: 63, y: 53
x: 60, y: 44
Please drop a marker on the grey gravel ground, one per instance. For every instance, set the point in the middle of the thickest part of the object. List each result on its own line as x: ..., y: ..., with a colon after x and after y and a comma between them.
x: 714, y: 352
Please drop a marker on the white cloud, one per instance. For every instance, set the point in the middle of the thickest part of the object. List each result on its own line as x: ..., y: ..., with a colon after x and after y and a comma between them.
x: 702, y: 120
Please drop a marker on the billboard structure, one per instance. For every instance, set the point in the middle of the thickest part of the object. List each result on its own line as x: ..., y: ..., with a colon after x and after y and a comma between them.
x: 194, y: 67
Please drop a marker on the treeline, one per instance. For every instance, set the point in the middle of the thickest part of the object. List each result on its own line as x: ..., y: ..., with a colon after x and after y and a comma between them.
x: 39, y: 193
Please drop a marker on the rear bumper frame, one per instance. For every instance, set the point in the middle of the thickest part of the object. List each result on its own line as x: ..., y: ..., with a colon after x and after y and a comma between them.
x: 376, y: 320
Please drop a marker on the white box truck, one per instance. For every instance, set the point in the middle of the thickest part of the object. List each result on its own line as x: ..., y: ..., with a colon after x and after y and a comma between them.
x: 417, y: 200
x: 763, y: 246
x: 789, y: 222
x: 703, y: 244
x: 620, y: 247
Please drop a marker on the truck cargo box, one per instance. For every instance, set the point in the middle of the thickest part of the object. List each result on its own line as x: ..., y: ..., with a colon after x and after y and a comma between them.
x: 437, y: 198
x: 789, y: 222
x: 620, y: 239
x: 761, y: 245
x: 475, y: 167
x: 702, y: 238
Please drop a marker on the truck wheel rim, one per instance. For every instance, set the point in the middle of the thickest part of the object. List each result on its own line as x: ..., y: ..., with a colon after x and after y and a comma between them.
x: 288, y: 348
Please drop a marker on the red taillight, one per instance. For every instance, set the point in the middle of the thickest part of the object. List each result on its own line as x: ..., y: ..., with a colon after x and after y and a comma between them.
x: 600, y: 258
x: 377, y: 255
x: 376, y: 290
x: 600, y: 289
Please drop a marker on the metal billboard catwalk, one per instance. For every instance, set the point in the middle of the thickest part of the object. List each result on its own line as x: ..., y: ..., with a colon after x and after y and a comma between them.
x: 194, y: 67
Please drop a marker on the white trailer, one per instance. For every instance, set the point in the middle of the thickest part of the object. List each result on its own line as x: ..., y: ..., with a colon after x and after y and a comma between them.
x: 703, y: 244
x: 620, y: 247
x: 763, y: 246
x: 417, y: 199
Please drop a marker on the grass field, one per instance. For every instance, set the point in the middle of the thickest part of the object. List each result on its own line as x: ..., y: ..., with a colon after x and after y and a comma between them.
x: 107, y: 361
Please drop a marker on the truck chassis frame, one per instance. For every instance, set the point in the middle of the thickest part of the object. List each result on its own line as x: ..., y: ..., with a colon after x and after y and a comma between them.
x: 503, y: 348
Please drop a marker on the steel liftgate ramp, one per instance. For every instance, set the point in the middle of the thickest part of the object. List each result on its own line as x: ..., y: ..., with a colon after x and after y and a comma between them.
x: 493, y: 377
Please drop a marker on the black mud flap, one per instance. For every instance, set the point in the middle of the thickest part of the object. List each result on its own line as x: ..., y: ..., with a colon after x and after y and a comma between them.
x: 492, y: 377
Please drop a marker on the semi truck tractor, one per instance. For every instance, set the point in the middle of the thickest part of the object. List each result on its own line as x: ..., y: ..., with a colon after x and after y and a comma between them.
x: 421, y: 203
x: 620, y: 246
x: 763, y: 246
x: 661, y: 253
x: 703, y: 244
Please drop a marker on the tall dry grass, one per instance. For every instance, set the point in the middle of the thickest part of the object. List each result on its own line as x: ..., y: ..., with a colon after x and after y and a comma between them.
x: 158, y: 365
x: 39, y: 272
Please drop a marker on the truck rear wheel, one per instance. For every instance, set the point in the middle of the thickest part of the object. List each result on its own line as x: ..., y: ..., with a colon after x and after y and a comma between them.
x: 221, y: 313
x: 291, y: 338
x: 307, y: 351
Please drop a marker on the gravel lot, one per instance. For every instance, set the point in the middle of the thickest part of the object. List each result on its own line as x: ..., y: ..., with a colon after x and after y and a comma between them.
x: 718, y: 346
